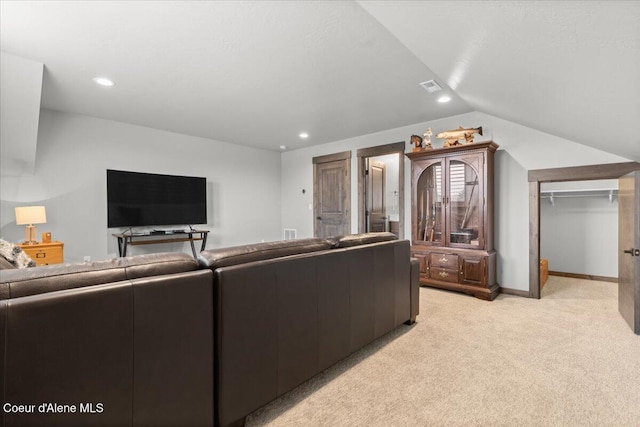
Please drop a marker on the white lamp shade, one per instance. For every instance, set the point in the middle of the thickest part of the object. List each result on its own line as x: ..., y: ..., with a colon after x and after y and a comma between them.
x: 27, y: 215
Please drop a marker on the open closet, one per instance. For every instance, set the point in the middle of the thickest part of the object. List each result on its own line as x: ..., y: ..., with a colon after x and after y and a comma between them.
x: 579, y: 229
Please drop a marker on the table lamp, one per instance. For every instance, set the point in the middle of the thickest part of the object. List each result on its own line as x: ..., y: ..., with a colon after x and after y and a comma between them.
x: 29, y: 215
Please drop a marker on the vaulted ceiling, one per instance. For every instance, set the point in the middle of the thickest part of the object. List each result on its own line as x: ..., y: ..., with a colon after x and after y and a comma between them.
x: 258, y: 73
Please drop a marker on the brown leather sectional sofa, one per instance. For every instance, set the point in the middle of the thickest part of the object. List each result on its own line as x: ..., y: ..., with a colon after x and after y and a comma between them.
x: 161, y: 339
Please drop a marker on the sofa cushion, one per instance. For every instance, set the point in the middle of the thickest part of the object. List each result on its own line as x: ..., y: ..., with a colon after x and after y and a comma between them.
x: 216, y: 258
x: 13, y: 256
x: 49, y: 278
x: 6, y: 265
x: 349, y: 240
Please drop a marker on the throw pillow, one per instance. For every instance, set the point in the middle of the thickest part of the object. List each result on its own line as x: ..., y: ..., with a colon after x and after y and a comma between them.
x: 15, y: 255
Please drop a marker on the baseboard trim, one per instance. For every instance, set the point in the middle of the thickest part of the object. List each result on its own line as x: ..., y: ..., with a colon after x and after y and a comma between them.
x: 584, y: 276
x: 516, y: 292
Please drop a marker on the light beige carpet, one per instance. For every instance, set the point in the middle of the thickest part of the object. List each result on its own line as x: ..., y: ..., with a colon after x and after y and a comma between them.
x: 568, y: 359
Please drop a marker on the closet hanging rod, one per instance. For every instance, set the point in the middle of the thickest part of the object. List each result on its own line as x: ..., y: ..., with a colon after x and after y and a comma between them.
x: 566, y: 194
x: 586, y: 190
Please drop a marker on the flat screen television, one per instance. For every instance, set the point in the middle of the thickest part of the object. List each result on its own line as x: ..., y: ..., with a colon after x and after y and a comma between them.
x: 145, y: 199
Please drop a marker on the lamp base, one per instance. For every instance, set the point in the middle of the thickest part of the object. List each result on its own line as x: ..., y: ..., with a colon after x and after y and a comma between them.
x: 30, y: 235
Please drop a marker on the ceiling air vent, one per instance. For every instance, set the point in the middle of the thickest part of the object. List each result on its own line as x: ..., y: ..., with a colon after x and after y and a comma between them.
x: 431, y: 86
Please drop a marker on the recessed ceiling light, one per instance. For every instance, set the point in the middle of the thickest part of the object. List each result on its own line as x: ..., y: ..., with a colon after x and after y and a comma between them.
x: 103, y: 81
x: 304, y: 135
x: 444, y: 98
x: 283, y: 147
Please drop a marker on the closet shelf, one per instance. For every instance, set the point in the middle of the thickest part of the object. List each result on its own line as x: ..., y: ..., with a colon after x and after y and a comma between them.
x: 610, y: 193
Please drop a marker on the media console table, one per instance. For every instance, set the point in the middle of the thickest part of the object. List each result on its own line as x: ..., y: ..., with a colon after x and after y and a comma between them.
x: 135, y: 239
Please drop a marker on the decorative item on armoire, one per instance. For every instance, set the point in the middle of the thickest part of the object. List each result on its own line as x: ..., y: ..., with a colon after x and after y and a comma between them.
x: 452, y: 137
x: 426, y: 140
x: 416, y: 141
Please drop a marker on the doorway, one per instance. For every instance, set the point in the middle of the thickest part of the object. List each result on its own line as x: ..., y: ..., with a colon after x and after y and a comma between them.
x: 381, y: 189
x: 577, y: 173
x: 377, y: 217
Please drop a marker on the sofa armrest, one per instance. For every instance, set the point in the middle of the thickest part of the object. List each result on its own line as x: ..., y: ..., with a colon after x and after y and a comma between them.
x: 415, y: 290
x: 349, y: 240
x: 226, y: 257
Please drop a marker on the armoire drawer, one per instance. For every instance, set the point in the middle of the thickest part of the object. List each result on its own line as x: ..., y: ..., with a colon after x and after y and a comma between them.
x: 444, y: 260
x: 443, y: 274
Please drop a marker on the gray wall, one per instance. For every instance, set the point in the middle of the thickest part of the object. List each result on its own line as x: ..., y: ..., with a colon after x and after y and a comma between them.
x: 74, y: 152
x: 521, y: 149
x: 21, y: 83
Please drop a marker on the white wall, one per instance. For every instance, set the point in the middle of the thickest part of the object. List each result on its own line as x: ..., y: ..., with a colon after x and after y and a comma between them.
x: 74, y: 152
x: 580, y: 234
x: 511, y: 221
x: 521, y: 149
x: 21, y: 83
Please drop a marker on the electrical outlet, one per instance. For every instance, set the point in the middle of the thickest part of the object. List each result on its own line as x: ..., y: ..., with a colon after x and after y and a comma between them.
x: 87, y: 258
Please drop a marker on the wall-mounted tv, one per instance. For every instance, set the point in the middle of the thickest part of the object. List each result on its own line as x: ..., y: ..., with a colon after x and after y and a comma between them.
x: 145, y: 199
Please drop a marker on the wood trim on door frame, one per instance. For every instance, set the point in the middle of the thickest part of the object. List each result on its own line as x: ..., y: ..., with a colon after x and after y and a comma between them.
x: 381, y: 150
x: 576, y: 173
x: 344, y: 155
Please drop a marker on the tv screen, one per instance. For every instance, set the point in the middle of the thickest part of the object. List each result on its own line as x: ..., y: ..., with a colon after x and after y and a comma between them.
x: 143, y: 199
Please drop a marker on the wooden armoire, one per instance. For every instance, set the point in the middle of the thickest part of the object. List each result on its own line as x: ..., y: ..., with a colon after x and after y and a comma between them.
x: 452, y: 218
